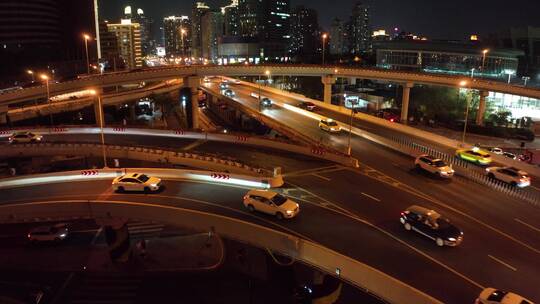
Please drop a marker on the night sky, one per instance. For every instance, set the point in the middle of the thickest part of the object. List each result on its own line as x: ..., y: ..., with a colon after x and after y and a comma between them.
x: 436, y: 19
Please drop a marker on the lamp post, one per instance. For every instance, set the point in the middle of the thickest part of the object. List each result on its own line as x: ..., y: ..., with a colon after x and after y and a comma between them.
x: 525, y: 80
x: 324, y: 36
x: 463, y: 84
x: 472, y: 73
x: 484, y: 53
x: 349, y: 148
x: 31, y: 73
x: 46, y: 79
x: 86, y: 38
x: 100, y: 110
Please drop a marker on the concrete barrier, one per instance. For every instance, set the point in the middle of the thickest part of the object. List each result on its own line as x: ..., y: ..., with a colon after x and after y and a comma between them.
x: 312, y: 151
x: 358, y: 274
x: 263, y: 182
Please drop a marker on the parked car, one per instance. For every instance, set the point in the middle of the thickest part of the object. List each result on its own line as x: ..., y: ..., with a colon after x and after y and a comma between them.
x: 306, y: 105
x: 393, y: 115
x: 50, y: 233
x: 329, y: 125
x: 136, y: 182
x: 431, y: 224
x: 272, y: 203
x: 495, y: 296
x: 25, y: 137
x: 434, y: 166
x: 510, y: 175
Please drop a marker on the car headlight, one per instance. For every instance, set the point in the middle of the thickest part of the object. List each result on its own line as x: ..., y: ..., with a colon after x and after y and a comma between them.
x: 153, y: 185
x: 444, y: 173
x: 63, y: 235
x: 289, y: 212
x: 452, y: 239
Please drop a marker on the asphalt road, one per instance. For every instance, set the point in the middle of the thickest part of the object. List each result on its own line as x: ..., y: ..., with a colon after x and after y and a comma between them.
x: 363, y: 214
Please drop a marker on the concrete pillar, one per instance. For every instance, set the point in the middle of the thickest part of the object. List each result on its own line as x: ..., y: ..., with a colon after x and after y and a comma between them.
x: 98, y: 111
x: 352, y: 81
x: 193, y: 82
x: 328, y: 81
x: 3, y: 114
x: 405, y: 101
x: 481, y: 108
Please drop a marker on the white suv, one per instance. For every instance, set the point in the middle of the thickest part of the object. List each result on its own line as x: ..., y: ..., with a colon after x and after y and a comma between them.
x: 25, y: 137
x: 56, y: 233
x: 434, y: 166
x: 271, y: 203
x: 510, y: 175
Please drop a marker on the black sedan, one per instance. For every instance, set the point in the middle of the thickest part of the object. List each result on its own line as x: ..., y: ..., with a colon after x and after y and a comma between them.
x: 432, y: 225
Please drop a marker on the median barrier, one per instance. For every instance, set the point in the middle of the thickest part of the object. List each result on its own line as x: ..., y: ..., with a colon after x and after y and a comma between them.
x: 367, y: 278
x: 410, y: 132
x: 255, y: 181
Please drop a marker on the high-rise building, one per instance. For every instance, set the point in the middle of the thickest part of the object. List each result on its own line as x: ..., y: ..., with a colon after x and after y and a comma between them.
x: 35, y: 34
x: 110, y: 55
x: 274, y: 29
x: 249, y: 17
x: 177, y: 34
x: 360, y: 29
x: 129, y: 42
x: 305, y: 40
x: 231, y: 19
x: 146, y: 23
x: 212, y: 30
x: 196, y: 34
x: 338, y: 42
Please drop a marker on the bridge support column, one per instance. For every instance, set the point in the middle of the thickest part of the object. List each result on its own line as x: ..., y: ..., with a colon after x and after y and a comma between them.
x: 3, y: 114
x: 405, y: 101
x: 328, y: 81
x: 193, y: 83
x: 481, y: 108
x: 98, y: 109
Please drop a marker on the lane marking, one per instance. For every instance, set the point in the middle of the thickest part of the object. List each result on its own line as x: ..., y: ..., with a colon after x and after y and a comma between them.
x: 194, y: 145
x: 321, y: 177
x: 528, y: 225
x: 96, y: 236
x: 503, y: 263
x: 308, y: 171
x: 371, y: 197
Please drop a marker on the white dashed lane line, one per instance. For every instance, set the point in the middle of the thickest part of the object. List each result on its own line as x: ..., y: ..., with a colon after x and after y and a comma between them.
x: 527, y: 225
x: 502, y: 263
x: 371, y: 197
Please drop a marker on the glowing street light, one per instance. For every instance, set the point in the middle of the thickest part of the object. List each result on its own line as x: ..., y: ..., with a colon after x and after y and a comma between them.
x: 86, y: 38
x: 324, y: 37
x: 484, y: 53
x: 463, y: 84
x: 95, y: 93
x: 182, y: 34
x: 31, y: 73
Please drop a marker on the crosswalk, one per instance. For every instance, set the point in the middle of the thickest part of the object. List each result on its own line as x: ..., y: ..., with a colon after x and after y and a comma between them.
x: 144, y: 229
x: 105, y: 288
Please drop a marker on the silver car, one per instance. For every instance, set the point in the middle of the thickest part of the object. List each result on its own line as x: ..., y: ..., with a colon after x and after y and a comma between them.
x: 51, y: 233
x: 434, y: 166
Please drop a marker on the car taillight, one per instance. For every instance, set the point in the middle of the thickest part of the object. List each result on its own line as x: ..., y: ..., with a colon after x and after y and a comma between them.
x: 402, y: 213
x: 246, y: 197
x: 29, y: 236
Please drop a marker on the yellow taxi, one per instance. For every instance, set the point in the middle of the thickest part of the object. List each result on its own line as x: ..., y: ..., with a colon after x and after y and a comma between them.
x: 474, y: 155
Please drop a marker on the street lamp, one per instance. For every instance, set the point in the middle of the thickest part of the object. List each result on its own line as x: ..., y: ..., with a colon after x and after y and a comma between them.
x: 95, y: 93
x: 31, y: 73
x: 484, y: 53
x: 463, y: 84
x: 324, y: 36
x: 472, y: 73
x: 353, y: 103
x: 46, y: 79
x: 525, y: 80
x: 86, y: 38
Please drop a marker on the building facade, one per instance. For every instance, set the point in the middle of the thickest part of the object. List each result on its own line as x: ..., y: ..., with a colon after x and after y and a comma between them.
x: 212, y: 30
x: 231, y: 19
x: 110, y: 55
x: 275, y: 29
x: 129, y: 42
x: 146, y: 25
x: 360, y: 29
x: 249, y: 17
x: 199, y: 9
x: 305, y: 43
x: 447, y: 58
x: 177, y: 35
x: 338, y: 43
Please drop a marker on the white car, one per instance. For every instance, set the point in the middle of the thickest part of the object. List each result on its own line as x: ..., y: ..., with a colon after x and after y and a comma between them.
x: 510, y: 175
x: 329, y: 125
x: 434, y: 166
x: 53, y: 233
x: 271, y: 203
x: 136, y: 182
x: 25, y: 137
x: 493, y: 296
x: 495, y: 150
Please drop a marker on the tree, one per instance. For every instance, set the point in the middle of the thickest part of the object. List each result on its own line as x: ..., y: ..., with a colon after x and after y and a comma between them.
x: 500, y: 117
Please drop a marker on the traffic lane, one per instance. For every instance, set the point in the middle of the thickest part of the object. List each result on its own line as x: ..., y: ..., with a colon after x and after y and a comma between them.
x: 377, y: 249
x: 371, y: 154
x: 511, y: 215
x: 381, y: 205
